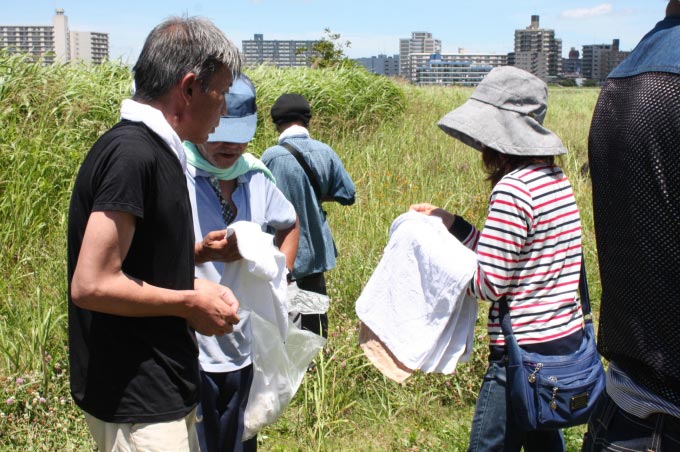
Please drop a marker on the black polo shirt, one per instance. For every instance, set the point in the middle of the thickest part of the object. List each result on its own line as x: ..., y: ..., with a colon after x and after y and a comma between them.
x: 128, y: 369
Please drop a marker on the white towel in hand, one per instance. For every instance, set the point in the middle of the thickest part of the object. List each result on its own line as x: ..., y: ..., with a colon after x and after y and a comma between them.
x: 259, y: 279
x: 415, y: 300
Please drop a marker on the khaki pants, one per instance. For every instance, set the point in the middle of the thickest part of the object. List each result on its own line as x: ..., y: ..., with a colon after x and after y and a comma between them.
x: 179, y: 435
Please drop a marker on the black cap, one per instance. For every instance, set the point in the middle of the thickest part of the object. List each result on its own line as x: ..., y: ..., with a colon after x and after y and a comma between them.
x: 291, y: 107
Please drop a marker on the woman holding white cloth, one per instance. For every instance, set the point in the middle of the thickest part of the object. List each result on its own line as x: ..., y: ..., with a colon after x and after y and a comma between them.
x: 529, y: 251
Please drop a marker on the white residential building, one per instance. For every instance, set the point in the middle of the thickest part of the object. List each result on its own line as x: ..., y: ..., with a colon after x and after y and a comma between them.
x: 55, y: 43
x: 420, y: 43
x: 467, y: 69
x: 89, y: 46
x: 280, y: 53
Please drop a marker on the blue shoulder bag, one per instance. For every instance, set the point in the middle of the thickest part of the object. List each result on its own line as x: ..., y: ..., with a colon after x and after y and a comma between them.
x: 551, y: 392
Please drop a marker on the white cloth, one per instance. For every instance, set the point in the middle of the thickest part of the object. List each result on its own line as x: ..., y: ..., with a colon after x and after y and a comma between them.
x: 258, y: 280
x: 154, y: 120
x: 279, y: 360
x: 415, y: 300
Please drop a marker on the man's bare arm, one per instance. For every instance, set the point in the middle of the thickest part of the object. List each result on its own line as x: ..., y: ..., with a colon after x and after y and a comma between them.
x: 99, y: 284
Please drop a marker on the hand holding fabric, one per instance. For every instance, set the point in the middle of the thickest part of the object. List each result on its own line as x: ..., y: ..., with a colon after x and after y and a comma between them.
x: 429, y: 209
x: 215, y: 246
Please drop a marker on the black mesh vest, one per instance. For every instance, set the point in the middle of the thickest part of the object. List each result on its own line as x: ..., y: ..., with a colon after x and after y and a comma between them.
x: 634, y: 152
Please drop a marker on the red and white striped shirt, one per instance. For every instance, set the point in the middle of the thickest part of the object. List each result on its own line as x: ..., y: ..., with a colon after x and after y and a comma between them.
x: 529, y: 251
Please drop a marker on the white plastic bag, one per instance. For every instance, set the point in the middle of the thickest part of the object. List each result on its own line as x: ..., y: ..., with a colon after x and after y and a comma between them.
x: 305, y: 301
x: 278, y: 370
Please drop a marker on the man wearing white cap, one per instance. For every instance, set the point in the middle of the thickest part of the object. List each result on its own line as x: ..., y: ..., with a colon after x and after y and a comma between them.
x: 226, y: 185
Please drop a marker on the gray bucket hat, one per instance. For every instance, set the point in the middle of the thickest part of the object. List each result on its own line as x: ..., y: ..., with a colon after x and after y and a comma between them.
x: 505, y: 113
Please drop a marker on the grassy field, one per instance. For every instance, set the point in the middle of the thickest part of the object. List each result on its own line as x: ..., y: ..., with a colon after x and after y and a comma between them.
x: 387, y: 136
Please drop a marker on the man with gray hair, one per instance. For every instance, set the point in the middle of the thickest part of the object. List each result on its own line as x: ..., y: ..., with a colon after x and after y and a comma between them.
x: 133, y: 301
x: 635, y: 169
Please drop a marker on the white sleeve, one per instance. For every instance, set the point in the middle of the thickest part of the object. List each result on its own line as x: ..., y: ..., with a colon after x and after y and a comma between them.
x: 279, y: 213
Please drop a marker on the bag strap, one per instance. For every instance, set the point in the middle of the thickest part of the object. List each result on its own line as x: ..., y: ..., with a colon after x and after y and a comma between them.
x: 306, y: 169
x: 504, y: 309
x: 583, y: 291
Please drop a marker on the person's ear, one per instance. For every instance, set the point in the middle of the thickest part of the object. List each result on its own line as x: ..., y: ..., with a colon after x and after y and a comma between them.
x: 187, y: 85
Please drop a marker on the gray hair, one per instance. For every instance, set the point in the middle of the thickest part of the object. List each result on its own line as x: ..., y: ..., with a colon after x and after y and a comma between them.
x: 178, y: 46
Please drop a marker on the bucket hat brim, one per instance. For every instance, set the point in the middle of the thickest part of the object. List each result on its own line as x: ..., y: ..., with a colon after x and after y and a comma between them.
x: 477, y: 123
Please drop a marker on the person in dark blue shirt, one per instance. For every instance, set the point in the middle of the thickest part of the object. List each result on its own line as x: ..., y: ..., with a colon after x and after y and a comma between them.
x: 635, y: 168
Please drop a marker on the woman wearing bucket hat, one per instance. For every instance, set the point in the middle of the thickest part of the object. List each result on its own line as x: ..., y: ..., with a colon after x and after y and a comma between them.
x: 529, y: 250
x: 227, y: 185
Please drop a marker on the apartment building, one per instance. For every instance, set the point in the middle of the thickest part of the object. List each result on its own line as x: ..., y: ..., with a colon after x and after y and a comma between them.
x: 599, y: 60
x: 36, y: 40
x: 467, y: 69
x: 538, y: 51
x: 89, y: 46
x: 280, y: 53
x: 55, y: 43
x: 420, y: 43
x: 381, y: 64
x: 446, y: 73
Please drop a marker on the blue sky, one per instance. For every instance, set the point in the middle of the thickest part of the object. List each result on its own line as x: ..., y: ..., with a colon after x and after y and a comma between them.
x: 372, y: 26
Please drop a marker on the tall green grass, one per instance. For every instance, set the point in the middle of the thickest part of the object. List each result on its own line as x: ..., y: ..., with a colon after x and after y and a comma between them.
x: 387, y: 136
x: 48, y: 118
x: 343, y: 100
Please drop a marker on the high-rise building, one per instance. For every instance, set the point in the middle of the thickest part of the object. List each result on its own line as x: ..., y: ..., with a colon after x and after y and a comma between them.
x: 55, y: 43
x: 280, y: 53
x: 421, y: 43
x: 600, y: 59
x: 538, y: 51
x: 381, y: 64
x: 62, y: 41
x: 89, y: 46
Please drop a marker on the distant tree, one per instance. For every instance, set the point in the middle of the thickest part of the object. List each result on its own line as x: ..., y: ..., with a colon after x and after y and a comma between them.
x: 329, y: 51
x: 589, y: 83
x: 569, y: 82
